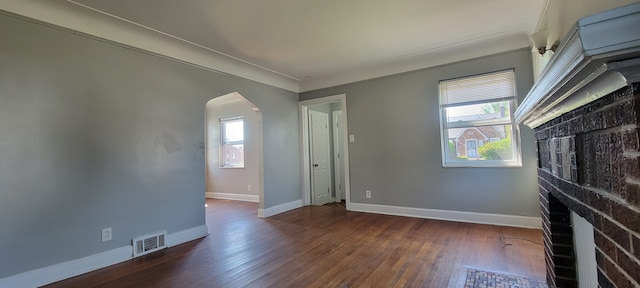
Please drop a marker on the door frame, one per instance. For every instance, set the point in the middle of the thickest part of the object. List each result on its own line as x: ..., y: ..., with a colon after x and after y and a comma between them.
x: 336, y: 157
x: 304, y: 141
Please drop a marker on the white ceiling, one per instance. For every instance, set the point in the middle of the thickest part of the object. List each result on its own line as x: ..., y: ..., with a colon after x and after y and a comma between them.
x: 307, y: 40
x: 321, y: 43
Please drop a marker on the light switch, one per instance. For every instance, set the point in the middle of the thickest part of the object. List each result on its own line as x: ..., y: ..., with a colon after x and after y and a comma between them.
x: 352, y: 138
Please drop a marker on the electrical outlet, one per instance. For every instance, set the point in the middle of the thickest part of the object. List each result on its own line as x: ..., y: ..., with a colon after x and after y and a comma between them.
x: 106, y: 234
x: 367, y: 193
x: 249, y: 187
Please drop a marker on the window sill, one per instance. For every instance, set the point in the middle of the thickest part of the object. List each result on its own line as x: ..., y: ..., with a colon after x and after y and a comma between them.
x: 510, y: 164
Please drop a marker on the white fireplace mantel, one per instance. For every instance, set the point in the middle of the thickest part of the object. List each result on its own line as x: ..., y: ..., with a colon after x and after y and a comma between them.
x: 599, y: 55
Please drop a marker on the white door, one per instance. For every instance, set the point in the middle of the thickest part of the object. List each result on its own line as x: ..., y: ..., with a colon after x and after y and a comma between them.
x: 472, y: 145
x: 338, y: 155
x: 320, y: 161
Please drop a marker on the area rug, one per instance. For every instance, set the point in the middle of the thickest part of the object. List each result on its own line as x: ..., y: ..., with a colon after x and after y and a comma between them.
x: 468, y: 277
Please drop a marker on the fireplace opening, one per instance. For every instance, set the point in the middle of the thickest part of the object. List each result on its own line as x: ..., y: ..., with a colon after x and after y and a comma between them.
x: 559, y: 245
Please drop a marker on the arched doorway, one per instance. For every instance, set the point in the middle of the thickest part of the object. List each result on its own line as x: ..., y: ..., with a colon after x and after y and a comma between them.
x: 226, y: 177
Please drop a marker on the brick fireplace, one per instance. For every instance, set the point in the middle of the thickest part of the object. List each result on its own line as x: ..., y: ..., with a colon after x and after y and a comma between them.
x: 599, y: 182
x: 585, y: 110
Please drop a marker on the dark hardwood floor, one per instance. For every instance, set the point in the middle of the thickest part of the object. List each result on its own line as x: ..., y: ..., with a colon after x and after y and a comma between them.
x: 323, y: 247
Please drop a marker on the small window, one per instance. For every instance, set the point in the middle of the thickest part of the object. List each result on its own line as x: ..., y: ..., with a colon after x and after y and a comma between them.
x: 232, y: 142
x: 475, y: 108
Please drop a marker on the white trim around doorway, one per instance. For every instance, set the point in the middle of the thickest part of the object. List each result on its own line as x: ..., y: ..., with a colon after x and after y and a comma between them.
x: 306, y: 154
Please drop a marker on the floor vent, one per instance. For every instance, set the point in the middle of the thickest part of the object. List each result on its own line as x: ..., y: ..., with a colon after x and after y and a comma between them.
x: 149, y: 243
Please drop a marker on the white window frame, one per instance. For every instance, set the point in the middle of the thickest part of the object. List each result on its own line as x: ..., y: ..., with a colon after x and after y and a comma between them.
x: 224, y: 143
x: 445, y: 125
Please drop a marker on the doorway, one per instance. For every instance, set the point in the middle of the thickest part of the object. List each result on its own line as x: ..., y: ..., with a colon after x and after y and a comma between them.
x: 240, y: 178
x: 471, y: 148
x: 313, y: 112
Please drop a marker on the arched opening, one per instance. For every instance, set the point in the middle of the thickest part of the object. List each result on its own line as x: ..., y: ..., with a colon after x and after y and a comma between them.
x: 226, y: 176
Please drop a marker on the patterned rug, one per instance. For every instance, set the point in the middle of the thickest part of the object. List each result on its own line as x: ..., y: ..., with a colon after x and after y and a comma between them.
x: 467, y: 277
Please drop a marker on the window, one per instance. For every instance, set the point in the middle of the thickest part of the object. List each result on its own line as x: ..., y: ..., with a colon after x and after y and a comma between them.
x: 477, y: 121
x: 232, y: 142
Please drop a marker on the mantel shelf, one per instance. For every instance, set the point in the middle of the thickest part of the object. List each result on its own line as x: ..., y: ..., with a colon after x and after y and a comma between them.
x: 599, y: 55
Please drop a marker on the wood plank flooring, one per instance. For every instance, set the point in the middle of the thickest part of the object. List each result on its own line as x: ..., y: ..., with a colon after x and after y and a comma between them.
x: 323, y: 246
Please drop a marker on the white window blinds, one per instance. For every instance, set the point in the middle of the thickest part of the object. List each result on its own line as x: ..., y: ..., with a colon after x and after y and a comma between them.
x: 477, y: 89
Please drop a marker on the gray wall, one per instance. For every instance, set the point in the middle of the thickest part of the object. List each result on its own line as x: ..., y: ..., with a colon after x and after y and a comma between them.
x: 396, y: 152
x: 94, y: 135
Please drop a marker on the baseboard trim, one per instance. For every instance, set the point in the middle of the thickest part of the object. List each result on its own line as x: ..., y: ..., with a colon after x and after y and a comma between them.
x: 177, y: 238
x: 61, y: 271
x: 449, y: 215
x: 233, y: 196
x: 264, y: 213
x: 57, y: 272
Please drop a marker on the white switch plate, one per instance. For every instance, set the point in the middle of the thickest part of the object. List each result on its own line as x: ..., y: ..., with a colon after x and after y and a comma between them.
x: 352, y: 138
x: 367, y: 193
x: 106, y: 234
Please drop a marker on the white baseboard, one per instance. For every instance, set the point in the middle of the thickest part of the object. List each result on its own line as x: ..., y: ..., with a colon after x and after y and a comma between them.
x: 233, y: 196
x: 448, y: 215
x: 187, y: 235
x: 61, y: 271
x: 264, y: 213
x: 57, y: 272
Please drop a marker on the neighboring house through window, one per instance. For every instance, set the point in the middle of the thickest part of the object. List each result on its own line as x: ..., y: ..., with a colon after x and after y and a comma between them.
x: 232, y: 142
x: 477, y: 123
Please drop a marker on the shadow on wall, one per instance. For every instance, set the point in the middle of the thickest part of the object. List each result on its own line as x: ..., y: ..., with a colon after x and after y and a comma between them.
x: 246, y: 183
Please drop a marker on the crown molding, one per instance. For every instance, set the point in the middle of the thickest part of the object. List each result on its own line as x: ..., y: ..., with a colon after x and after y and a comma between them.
x: 488, y: 45
x: 83, y: 20
x: 92, y: 23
